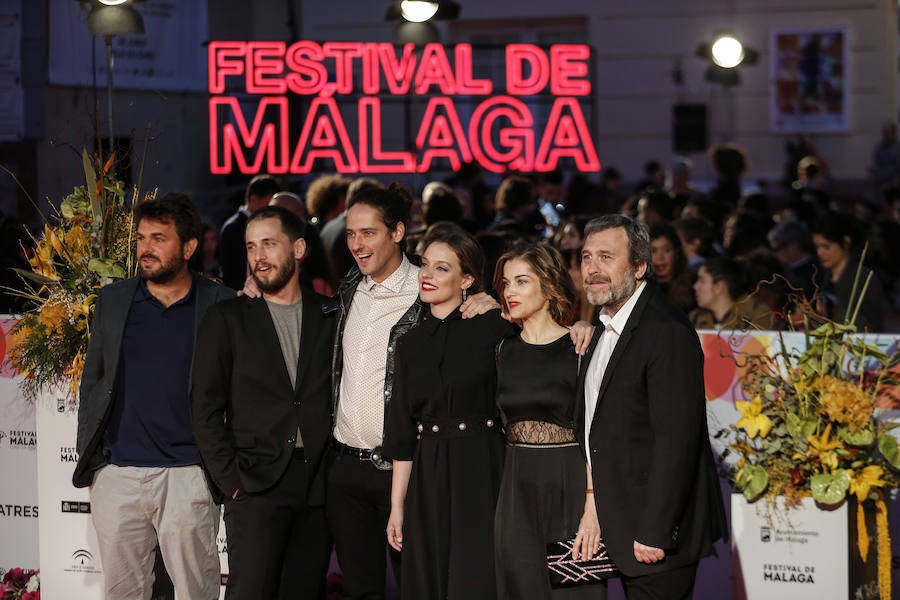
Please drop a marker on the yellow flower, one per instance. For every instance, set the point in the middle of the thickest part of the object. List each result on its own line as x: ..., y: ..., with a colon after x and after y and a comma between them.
x: 52, y: 316
x: 81, y: 312
x: 753, y: 420
x: 78, y: 242
x: 844, y: 402
x: 823, y: 448
x: 862, y: 482
x: 42, y: 261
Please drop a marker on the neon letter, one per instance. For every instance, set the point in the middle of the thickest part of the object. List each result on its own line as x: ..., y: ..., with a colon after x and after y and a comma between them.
x: 265, y: 58
x: 309, y: 76
x: 566, y: 134
x: 328, y: 140
x: 516, y: 82
x: 467, y: 85
x: 439, y: 132
x: 225, y: 58
x: 517, y: 141
x: 434, y: 69
x: 398, y: 73
x: 392, y: 162
x: 343, y: 53
x: 270, y: 140
x: 569, y: 61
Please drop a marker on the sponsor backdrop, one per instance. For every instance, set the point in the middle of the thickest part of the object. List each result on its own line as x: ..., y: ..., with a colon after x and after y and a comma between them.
x: 18, y: 464
x: 70, y: 564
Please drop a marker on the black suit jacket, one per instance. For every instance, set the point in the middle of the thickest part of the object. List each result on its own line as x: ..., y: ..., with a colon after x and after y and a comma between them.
x: 246, y: 414
x: 654, y: 475
x: 101, y: 366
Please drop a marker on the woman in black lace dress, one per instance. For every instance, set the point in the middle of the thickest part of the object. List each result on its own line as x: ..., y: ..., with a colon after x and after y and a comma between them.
x: 545, y: 494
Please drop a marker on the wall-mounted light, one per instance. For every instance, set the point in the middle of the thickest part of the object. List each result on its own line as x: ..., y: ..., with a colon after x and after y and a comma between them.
x: 725, y: 54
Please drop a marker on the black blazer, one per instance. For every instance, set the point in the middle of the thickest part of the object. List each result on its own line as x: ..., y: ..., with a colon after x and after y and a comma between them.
x: 246, y: 413
x: 654, y: 475
x: 101, y: 366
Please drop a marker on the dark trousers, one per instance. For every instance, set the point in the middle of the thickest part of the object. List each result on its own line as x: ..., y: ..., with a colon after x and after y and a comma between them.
x: 278, y: 546
x: 358, y: 507
x: 676, y: 584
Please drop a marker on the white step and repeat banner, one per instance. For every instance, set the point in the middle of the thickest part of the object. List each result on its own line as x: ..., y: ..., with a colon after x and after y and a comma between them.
x: 18, y: 463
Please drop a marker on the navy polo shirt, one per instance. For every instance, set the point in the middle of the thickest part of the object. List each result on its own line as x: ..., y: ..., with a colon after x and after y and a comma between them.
x: 150, y: 425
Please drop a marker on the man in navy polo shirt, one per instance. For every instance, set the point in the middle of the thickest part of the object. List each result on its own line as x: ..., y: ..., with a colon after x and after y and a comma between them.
x: 135, y: 442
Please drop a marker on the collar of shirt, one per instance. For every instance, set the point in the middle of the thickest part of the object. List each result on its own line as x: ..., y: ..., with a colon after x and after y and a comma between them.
x: 395, y: 282
x: 143, y: 294
x: 617, y: 322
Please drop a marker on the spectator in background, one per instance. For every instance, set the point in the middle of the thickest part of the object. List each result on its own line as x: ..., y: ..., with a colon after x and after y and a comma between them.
x: 654, y: 207
x: 722, y: 300
x: 743, y: 234
x: 885, y: 167
x: 568, y: 240
x: 468, y: 183
x: 325, y: 198
x: 654, y: 179
x: 729, y: 163
x: 334, y: 233
x: 206, y: 259
x: 316, y: 272
x: 610, y: 191
x: 697, y: 238
x: 792, y: 245
x: 811, y: 186
x: 232, y: 250
x: 838, y: 246
x: 514, y: 203
x: 670, y: 266
x: 680, y: 190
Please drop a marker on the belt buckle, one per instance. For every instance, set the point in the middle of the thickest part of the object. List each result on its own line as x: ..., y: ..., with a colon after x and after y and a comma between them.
x: 378, y: 460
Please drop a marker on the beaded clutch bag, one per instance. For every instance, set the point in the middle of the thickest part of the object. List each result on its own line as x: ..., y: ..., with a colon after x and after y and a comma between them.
x: 566, y: 572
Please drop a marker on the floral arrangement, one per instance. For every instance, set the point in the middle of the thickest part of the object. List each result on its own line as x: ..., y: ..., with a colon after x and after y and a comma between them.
x: 19, y: 584
x: 91, y: 243
x: 810, y: 429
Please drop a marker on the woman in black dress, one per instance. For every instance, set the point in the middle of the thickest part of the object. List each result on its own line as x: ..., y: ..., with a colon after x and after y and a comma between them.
x: 443, y: 432
x: 546, y: 494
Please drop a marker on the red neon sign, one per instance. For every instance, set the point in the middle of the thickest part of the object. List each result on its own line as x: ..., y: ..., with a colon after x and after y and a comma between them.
x: 251, y: 134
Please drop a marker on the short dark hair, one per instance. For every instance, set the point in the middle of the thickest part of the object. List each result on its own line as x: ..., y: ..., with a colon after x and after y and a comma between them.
x: 553, y: 277
x: 291, y: 225
x: 638, y: 238
x: 262, y: 185
x: 514, y: 193
x: 324, y: 194
x: 732, y: 272
x: 392, y: 204
x: 464, y: 246
x: 174, y: 208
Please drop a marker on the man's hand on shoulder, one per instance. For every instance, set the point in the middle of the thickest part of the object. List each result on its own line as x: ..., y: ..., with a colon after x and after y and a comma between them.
x: 251, y: 290
x: 478, y: 304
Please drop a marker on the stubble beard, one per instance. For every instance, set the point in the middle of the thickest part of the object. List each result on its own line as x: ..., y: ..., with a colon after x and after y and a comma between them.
x: 283, y: 274
x: 615, y: 296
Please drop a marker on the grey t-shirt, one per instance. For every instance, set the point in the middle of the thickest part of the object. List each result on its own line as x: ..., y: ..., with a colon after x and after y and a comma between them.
x: 288, y: 318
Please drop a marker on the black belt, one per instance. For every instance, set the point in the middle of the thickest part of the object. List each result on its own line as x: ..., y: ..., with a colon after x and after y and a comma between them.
x: 360, y: 453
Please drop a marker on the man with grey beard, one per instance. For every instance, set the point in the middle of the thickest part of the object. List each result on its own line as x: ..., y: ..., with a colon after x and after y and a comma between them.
x: 641, y: 417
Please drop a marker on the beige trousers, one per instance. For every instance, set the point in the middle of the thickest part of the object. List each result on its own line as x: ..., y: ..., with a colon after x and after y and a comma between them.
x: 134, y: 508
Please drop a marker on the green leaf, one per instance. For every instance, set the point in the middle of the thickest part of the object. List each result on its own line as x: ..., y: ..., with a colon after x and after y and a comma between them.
x: 752, y: 481
x: 861, y: 437
x: 830, y: 488
x: 887, y: 445
x: 800, y: 429
x: 106, y: 267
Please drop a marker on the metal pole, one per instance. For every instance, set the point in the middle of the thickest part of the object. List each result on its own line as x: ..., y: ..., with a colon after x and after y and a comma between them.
x: 109, y: 90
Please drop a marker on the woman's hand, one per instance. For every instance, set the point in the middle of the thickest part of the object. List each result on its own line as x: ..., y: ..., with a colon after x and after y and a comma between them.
x: 395, y: 529
x: 587, y: 541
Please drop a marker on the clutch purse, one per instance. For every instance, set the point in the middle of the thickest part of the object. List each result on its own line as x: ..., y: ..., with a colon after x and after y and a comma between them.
x: 564, y: 571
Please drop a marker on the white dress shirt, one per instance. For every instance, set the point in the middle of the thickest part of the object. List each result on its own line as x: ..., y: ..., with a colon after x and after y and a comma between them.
x: 600, y: 359
x: 375, y: 309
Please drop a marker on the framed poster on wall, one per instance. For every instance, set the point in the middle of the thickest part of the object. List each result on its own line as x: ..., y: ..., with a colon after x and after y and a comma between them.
x: 810, y: 80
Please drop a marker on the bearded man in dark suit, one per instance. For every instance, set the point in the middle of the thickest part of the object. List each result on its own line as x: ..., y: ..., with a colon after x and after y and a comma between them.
x: 641, y: 418
x: 262, y: 417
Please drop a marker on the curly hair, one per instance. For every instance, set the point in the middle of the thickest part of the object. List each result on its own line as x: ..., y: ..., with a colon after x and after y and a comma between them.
x: 547, y: 264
